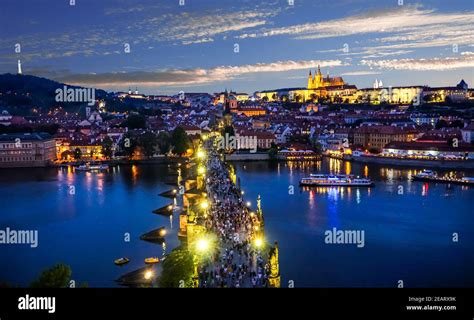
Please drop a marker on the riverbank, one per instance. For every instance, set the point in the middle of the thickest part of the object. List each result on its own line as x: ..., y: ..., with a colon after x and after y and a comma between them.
x: 438, y: 164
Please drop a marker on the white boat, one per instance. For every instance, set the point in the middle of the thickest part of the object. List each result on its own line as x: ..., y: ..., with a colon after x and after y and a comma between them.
x: 424, y: 175
x: 83, y: 167
x: 340, y: 180
x: 98, y: 167
x: 92, y: 167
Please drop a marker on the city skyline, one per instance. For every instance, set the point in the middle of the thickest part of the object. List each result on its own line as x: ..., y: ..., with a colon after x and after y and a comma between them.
x: 246, y: 47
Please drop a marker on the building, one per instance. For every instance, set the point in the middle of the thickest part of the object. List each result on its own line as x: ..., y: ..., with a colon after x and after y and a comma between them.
x: 319, y: 81
x: 377, y: 137
x: 264, y: 138
x: 318, y: 86
x: 436, y: 149
x: 26, y: 150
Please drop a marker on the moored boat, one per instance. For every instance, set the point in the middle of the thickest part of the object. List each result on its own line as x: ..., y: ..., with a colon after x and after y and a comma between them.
x: 425, y: 175
x: 92, y: 167
x: 152, y: 260
x: 430, y: 176
x: 340, y: 180
x: 121, y: 261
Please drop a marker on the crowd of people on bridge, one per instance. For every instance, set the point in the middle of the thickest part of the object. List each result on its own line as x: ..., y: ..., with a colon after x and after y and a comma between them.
x: 237, y: 262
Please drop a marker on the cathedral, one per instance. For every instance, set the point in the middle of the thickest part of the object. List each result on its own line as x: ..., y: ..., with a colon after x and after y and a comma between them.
x: 318, y: 81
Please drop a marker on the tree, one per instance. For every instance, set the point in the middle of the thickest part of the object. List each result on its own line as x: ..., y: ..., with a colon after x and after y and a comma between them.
x: 273, y: 151
x: 177, y: 267
x: 179, y: 141
x: 441, y: 124
x: 229, y: 130
x: 135, y: 121
x: 107, y: 150
x: 457, y: 124
x: 148, y: 142
x: 58, y: 276
x: 77, y: 154
x: 164, y: 142
x: 128, y: 145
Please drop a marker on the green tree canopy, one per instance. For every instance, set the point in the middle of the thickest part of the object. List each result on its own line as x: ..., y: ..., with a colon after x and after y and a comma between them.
x: 129, y: 145
x: 135, y: 121
x: 58, y: 276
x: 77, y: 153
x: 177, y: 267
x: 179, y: 141
x: 148, y: 142
x: 164, y: 142
x: 107, y: 147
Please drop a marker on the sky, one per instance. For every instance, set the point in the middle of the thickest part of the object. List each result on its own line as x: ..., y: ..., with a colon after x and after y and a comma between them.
x: 163, y: 47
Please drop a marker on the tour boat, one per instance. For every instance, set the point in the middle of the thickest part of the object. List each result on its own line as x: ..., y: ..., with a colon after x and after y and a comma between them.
x: 152, y: 260
x: 121, y: 261
x: 339, y: 180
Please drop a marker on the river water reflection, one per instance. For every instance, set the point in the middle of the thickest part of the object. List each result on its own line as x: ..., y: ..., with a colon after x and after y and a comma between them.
x: 408, y: 236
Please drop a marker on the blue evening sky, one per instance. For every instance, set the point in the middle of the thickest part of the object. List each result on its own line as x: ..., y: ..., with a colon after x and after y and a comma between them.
x: 192, y: 47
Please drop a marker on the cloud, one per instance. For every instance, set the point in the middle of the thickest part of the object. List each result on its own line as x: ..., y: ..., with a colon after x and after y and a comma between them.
x: 190, y: 76
x: 439, y: 64
x: 408, y: 22
x: 103, y: 39
x: 360, y: 73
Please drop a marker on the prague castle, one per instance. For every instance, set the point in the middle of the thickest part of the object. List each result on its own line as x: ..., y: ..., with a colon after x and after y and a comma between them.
x: 318, y: 81
x: 318, y: 86
x: 334, y: 89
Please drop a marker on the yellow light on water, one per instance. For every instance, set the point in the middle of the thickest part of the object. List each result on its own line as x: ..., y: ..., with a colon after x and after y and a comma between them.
x: 148, y: 275
x: 201, y: 170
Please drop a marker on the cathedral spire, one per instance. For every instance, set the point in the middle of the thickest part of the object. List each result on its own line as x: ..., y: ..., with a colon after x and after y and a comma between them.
x: 19, y: 67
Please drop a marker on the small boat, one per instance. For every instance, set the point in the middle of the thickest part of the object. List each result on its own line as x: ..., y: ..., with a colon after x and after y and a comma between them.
x: 121, y: 261
x: 425, y: 175
x: 430, y: 176
x: 341, y: 180
x: 152, y: 260
x: 98, y: 167
x: 83, y: 167
x: 92, y: 167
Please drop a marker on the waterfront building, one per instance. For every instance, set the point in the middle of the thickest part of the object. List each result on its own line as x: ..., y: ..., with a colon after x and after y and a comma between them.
x: 376, y: 137
x: 264, y: 138
x: 90, y: 149
x: 433, y: 149
x: 26, y: 150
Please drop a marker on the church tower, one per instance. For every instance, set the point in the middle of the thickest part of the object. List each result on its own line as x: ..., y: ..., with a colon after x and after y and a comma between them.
x: 318, y: 78
x: 310, y: 80
x: 19, y: 67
